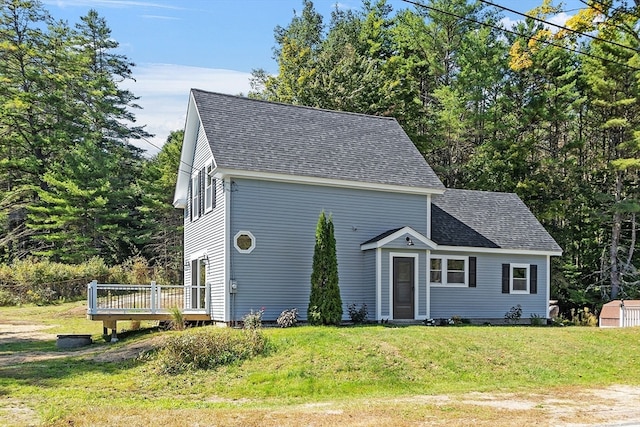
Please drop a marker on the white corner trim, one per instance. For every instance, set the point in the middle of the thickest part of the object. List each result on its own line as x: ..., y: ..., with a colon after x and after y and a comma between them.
x: 379, y: 284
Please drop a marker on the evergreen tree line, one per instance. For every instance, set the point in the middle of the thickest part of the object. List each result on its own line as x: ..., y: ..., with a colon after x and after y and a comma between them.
x: 72, y: 187
x: 551, y: 114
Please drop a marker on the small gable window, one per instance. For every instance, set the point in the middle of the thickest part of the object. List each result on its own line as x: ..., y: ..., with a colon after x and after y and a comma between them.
x: 244, y: 242
x: 519, y: 278
x: 454, y: 271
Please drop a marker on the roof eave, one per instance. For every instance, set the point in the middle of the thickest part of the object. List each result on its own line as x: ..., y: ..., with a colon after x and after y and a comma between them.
x: 329, y: 182
x: 514, y: 251
x: 186, y: 155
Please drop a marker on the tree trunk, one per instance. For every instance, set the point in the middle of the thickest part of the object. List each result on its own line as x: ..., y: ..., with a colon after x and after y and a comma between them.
x: 615, y: 240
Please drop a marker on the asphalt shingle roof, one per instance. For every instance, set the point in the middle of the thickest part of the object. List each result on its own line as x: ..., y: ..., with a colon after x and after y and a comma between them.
x: 253, y: 135
x: 487, y: 220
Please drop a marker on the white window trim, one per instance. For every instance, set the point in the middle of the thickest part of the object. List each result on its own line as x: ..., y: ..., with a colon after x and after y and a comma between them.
x: 416, y: 278
x: 209, y: 190
x: 253, y: 242
x: 195, y: 195
x: 443, y: 275
x: 527, y: 278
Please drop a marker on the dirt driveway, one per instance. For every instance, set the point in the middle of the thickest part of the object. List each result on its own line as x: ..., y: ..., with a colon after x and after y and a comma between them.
x: 611, y: 406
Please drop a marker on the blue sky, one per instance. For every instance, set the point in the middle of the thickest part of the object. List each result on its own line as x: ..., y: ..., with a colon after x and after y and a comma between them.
x: 206, y: 44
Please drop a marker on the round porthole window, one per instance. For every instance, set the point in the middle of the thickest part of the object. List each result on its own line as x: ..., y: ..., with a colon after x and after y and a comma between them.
x: 244, y: 242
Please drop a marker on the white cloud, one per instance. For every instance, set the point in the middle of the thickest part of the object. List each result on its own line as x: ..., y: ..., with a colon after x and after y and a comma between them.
x: 163, y: 18
x: 164, y: 93
x: 560, y: 19
x: 509, y: 23
x: 110, y: 3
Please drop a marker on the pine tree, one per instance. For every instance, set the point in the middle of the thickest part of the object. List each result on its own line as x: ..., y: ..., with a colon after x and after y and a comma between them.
x: 325, y: 303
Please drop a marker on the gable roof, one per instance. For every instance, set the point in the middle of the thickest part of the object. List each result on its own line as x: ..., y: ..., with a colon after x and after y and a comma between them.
x: 411, y: 238
x: 485, y: 219
x: 259, y: 136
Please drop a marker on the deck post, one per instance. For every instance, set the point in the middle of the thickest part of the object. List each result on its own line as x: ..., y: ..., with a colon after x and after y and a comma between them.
x: 92, y: 296
x: 154, y: 300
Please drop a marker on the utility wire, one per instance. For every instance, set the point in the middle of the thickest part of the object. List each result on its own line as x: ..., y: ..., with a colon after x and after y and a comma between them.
x: 560, y: 26
x: 190, y: 172
x: 579, y: 52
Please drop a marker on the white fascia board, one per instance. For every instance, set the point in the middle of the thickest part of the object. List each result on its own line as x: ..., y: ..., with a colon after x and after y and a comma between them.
x: 186, y: 155
x: 327, y: 182
x: 497, y: 250
x: 180, y: 203
x: 390, y: 238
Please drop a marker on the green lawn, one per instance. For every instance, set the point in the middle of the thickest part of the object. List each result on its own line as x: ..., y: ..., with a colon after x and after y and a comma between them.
x: 358, y: 370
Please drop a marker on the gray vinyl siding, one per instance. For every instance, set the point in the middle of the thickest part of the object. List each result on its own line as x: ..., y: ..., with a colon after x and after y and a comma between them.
x: 207, y: 234
x: 486, y: 300
x: 283, y: 216
x: 369, y: 281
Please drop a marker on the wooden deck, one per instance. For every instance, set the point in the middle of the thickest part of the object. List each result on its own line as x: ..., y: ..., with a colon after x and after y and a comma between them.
x: 110, y: 303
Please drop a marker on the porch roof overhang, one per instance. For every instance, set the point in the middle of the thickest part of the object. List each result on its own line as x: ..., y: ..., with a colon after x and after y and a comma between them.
x: 399, y: 238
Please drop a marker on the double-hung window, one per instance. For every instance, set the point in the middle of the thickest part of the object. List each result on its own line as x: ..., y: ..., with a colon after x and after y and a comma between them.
x: 452, y: 271
x: 209, y: 188
x: 195, y: 197
x: 519, y: 278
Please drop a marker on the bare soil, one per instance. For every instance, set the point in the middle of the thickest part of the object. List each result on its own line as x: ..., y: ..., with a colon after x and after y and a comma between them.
x: 617, y: 405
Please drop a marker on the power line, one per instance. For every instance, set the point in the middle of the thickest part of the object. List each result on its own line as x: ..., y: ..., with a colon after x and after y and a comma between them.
x: 560, y: 26
x: 192, y: 169
x: 579, y: 52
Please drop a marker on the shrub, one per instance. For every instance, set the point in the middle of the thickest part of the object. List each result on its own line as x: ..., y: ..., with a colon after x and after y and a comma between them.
x: 208, y: 348
x: 177, y: 320
x: 7, y: 298
x: 325, y: 303
x: 537, y: 320
x: 583, y: 317
x: 288, y: 318
x: 514, y: 314
x: 358, y: 315
x: 253, y: 320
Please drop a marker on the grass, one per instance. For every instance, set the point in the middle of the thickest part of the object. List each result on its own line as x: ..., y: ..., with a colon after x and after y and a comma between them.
x: 353, y: 375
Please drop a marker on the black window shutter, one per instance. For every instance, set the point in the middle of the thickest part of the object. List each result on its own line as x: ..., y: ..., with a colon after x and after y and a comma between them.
x: 213, y: 193
x: 472, y: 272
x: 505, y: 278
x: 533, y: 279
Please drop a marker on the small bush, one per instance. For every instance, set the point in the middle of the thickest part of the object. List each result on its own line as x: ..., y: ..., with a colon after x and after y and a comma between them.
x: 358, y: 315
x: 288, y: 318
x: 177, y: 322
x: 514, y: 314
x: 253, y: 320
x: 208, y: 348
x: 537, y: 320
x: 7, y: 298
x: 583, y: 317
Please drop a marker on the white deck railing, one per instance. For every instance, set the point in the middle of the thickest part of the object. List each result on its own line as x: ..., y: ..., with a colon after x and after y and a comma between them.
x: 629, y: 316
x: 133, y: 299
